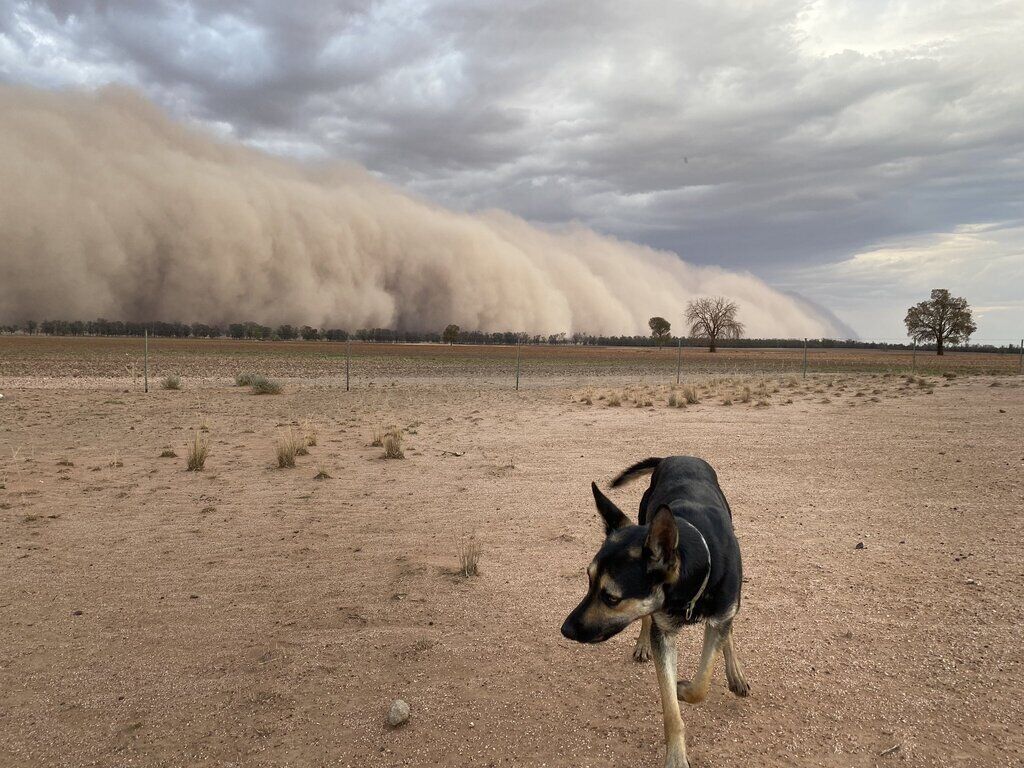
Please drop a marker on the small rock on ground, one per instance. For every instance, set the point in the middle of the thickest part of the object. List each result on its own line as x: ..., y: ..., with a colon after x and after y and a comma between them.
x: 398, y: 713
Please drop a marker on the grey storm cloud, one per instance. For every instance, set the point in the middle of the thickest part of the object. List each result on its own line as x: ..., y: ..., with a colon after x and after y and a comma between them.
x: 778, y: 137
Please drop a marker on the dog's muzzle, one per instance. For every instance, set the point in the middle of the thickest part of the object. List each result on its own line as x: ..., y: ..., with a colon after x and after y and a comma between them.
x: 569, y: 630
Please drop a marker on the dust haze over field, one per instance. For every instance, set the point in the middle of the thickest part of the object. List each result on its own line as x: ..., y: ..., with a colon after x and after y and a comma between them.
x: 113, y: 210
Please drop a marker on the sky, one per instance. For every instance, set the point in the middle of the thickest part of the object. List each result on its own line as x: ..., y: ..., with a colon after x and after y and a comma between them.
x: 858, y: 154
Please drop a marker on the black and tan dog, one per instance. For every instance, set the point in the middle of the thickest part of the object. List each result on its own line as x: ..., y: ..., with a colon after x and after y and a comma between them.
x: 681, y: 565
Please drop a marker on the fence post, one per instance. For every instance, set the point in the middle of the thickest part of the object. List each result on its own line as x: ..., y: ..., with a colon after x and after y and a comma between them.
x: 145, y: 357
x: 913, y: 365
x: 679, y: 359
x: 1020, y: 363
x: 348, y: 358
x: 518, y: 345
x: 805, y: 358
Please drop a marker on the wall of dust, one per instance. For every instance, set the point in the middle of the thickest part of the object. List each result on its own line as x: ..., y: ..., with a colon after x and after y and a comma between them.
x: 111, y: 209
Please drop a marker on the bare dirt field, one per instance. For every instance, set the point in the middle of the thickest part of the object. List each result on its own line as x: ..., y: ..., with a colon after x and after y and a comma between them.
x: 253, y: 616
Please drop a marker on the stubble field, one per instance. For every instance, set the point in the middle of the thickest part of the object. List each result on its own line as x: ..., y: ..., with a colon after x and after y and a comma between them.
x: 250, y: 615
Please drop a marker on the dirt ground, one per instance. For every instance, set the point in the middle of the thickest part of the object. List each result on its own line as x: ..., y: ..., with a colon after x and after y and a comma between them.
x: 252, y: 616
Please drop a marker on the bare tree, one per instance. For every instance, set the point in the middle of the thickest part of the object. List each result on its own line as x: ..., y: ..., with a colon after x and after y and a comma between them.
x: 713, y: 318
x: 661, y: 330
x: 941, y: 319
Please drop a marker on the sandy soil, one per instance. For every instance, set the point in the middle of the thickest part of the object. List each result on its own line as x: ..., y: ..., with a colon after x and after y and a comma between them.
x: 247, y: 615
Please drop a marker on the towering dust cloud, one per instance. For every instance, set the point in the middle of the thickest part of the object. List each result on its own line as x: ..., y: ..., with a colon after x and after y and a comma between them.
x: 110, y: 209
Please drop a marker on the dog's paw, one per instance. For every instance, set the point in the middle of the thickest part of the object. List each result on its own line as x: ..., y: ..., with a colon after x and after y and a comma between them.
x: 642, y: 653
x: 686, y: 692
x: 739, y: 687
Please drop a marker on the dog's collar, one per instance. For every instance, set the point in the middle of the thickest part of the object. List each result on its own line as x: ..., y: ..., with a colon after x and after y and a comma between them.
x: 707, y: 576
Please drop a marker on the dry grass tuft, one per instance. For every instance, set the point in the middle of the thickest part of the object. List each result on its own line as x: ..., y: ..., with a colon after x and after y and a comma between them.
x: 321, y: 474
x: 614, y: 401
x: 244, y: 379
x: 393, y: 444
x: 761, y: 403
x: 173, y: 381
x: 287, y: 448
x: 309, y: 432
x: 469, y: 556
x: 690, y: 395
x: 198, y: 450
x: 745, y: 395
x: 167, y: 453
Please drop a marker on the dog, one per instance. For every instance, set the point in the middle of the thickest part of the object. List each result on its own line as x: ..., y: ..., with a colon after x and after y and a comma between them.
x: 681, y: 565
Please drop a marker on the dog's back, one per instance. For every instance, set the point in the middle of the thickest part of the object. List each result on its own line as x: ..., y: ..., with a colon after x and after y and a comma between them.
x: 689, y: 487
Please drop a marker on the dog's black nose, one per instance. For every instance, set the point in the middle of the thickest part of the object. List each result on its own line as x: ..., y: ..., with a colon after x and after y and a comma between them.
x: 569, y: 630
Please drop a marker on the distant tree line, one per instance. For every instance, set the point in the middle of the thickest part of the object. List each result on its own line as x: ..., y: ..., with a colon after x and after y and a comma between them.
x: 256, y: 331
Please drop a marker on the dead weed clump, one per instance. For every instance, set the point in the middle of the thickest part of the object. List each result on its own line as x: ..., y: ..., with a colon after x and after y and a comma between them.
x: 393, y: 444
x: 469, y: 556
x: 287, y: 448
x: 198, y: 450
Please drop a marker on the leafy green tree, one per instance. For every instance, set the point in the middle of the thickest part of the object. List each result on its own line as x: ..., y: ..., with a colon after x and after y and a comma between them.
x: 661, y: 330
x: 942, y: 319
x: 451, y: 334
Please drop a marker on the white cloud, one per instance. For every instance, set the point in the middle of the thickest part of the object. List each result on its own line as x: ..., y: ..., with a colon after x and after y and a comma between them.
x: 983, y: 262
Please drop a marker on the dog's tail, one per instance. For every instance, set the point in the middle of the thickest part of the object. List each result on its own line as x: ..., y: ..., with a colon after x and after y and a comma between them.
x: 640, y: 468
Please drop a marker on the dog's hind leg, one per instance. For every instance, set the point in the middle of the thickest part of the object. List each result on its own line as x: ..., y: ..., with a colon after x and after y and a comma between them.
x: 733, y: 669
x: 642, y: 651
x: 694, y: 691
x: 664, y: 647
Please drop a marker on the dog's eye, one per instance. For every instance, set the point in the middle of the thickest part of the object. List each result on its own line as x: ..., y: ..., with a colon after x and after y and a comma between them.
x: 610, y: 600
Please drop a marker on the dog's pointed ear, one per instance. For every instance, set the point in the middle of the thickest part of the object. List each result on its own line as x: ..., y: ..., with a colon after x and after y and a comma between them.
x: 662, y: 542
x: 612, y: 515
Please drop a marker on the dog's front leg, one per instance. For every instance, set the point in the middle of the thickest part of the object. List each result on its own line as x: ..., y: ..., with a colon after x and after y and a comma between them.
x: 664, y: 646
x: 642, y: 651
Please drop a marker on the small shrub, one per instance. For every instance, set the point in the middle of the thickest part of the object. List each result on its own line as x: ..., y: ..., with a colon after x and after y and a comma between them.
x: 948, y: 375
x: 393, y: 444
x: 167, y: 453
x: 745, y: 395
x: 614, y: 401
x: 469, y: 556
x: 690, y: 395
x: 378, y: 438
x: 727, y: 401
x: 673, y: 401
x: 172, y: 381
x: 244, y: 379
x: 762, y: 403
x: 287, y: 449
x: 261, y: 385
x: 198, y: 450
